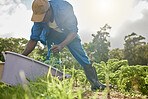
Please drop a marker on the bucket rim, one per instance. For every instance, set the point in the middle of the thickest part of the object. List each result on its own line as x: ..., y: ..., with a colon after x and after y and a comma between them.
x: 31, y: 59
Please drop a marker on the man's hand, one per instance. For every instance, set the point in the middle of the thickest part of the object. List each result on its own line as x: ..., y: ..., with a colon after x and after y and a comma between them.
x: 56, y: 49
x: 30, y: 46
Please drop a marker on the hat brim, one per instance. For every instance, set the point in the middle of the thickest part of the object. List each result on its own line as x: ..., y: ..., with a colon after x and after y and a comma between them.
x: 38, y: 18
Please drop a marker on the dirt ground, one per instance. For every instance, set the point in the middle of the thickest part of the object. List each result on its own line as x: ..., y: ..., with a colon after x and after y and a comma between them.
x: 112, y: 95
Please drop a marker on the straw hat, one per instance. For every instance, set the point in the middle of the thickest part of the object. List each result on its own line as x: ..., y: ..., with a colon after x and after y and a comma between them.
x: 39, y: 8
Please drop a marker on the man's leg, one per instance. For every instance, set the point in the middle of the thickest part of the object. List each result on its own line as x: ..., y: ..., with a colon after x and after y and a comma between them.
x: 77, y: 51
x: 30, y: 46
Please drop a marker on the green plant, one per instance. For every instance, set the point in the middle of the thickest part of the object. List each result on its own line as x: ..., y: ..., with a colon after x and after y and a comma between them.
x: 131, y: 79
x: 42, y: 88
x: 117, y: 73
x: 134, y: 79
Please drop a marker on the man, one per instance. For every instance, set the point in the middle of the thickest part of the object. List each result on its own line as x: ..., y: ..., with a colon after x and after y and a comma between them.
x: 55, y: 22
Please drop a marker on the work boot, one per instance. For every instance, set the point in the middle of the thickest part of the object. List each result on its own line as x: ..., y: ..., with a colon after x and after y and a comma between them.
x: 91, y: 75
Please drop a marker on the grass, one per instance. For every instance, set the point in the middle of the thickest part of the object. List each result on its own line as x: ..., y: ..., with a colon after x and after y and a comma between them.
x: 42, y: 88
x: 50, y: 87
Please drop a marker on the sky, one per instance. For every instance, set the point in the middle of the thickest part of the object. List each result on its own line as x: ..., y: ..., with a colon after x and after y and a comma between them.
x: 124, y: 16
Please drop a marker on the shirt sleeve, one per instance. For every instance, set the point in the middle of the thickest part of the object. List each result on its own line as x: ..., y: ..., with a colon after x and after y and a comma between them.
x: 36, y: 31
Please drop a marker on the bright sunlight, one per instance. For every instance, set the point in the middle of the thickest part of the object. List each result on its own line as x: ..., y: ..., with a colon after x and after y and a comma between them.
x: 111, y: 11
x: 103, y: 6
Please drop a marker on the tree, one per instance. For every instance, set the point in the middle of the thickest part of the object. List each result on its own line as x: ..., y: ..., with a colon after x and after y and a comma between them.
x: 89, y: 49
x: 141, y: 53
x: 12, y: 44
x: 17, y: 45
x: 101, y: 44
x: 116, y: 54
x: 132, y: 42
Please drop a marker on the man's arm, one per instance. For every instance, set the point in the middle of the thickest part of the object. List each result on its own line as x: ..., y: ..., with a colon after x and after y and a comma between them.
x: 69, y: 21
x: 30, y: 46
x: 34, y: 38
x: 57, y: 48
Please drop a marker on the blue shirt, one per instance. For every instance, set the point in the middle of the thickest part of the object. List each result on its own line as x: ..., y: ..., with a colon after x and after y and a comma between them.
x: 64, y: 17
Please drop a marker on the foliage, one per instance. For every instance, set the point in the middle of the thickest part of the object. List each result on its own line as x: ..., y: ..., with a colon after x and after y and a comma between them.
x: 133, y: 47
x: 67, y: 60
x: 12, y: 44
x: 54, y: 61
x: 113, y: 67
x: 141, y: 54
x: 77, y: 73
x: 134, y: 79
x: 39, y: 53
x: 116, y: 71
x: 135, y: 50
x: 116, y: 54
x: 42, y: 88
x: 89, y: 49
x: 101, y: 44
x: 127, y: 78
x: 18, y: 45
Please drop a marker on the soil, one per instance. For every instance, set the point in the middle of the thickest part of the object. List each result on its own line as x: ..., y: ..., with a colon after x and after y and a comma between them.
x: 112, y: 95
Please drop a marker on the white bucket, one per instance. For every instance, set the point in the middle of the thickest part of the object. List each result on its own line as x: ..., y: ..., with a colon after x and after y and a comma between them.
x: 18, y: 66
